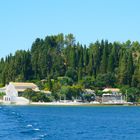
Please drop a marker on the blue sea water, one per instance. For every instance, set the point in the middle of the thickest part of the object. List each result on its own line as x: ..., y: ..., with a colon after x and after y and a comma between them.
x: 69, y: 123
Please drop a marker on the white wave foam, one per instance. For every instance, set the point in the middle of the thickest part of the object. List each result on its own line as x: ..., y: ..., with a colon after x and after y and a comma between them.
x: 36, y: 129
x: 29, y: 125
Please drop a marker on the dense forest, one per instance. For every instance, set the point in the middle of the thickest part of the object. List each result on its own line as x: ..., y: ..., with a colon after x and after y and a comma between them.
x: 61, y: 58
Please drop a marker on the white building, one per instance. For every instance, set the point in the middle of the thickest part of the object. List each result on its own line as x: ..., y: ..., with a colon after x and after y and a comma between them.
x: 12, y: 91
x: 22, y: 86
x: 112, y: 96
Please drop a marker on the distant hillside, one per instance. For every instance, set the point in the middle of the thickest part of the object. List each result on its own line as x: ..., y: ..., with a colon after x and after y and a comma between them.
x: 107, y: 64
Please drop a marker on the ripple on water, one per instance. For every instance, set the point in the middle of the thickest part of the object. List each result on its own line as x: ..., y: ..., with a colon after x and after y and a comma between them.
x: 40, y: 137
x: 74, y: 123
x: 29, y: 125
x: 28, y: 131
x: 36, y: 129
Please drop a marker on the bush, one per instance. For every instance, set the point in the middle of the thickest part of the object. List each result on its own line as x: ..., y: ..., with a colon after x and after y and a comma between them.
x: 104, y: 80
x: 1, y: 95
x: 37, y: 96
x: 89, y: 97
x: 70, y: 92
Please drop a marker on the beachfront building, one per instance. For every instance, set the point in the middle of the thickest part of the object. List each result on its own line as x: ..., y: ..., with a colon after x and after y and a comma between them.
x: 14, y: 92
x: 113, y: 96
x: 22, y: 86
x: 11, y: 96
x: 13, y: 89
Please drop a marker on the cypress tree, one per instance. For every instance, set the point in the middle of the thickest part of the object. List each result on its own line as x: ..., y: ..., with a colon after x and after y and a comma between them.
x: 122, y: 76
x: 103, y: 67
x: 136, y: 75
x: 130, y: 68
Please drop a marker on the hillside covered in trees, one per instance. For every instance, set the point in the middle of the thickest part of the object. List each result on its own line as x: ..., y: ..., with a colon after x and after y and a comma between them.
x: 101, y: 64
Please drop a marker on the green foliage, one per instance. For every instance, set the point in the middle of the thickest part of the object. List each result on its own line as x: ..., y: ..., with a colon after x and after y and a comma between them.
x: 132, y: 94
x: 103, y: 67
x: 1, y: 95
x: 72, y: 74
x: 99, y: 93
x: 70, y: 92
x: 65, y: 80
x: 40, y: 85
x: 1, y: 85
x: 89, y: 97
x: 60, y: 56
x: 105, y: 80
x: 88, y: 82
x: 37, y: 96
x: 49, y: 83
x: 136, y: 75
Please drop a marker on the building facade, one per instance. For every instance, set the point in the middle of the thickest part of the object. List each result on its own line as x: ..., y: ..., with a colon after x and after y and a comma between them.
x: 13, y: 89
x: 112, y: 96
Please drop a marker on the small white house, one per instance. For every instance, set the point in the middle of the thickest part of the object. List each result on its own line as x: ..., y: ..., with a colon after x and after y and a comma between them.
x: 13, y: 89
x: 22, y: 86
x: 112, y: 96
x: 11, y: 94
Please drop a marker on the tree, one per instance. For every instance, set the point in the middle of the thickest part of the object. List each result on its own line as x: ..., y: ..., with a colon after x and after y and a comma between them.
x: 72, y: 74
x: 130, y: 69
x: 104, y: 60
x: 89, y: 97
x: 109, y: 64
x: 122, y: 76
x: 88, y: 82
x: 105, y: 80
x: 49, y: 83
x: 70, y: 40
x: 136, y: 75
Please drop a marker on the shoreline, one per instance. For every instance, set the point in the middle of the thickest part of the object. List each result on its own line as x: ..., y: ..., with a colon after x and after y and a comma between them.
x: 70, y: 104
x: 77, y: 104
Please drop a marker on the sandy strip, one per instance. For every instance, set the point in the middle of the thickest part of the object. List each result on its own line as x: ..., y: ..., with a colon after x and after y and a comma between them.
x: 62, y: 103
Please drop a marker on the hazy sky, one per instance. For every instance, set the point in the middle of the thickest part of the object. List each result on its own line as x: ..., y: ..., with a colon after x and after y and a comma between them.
x: 22, y: 21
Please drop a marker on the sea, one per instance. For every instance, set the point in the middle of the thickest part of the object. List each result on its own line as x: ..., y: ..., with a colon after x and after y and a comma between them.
x: 69, y: 123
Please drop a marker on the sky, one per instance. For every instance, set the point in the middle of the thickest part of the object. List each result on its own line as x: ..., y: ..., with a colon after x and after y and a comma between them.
x: 22, y: 21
